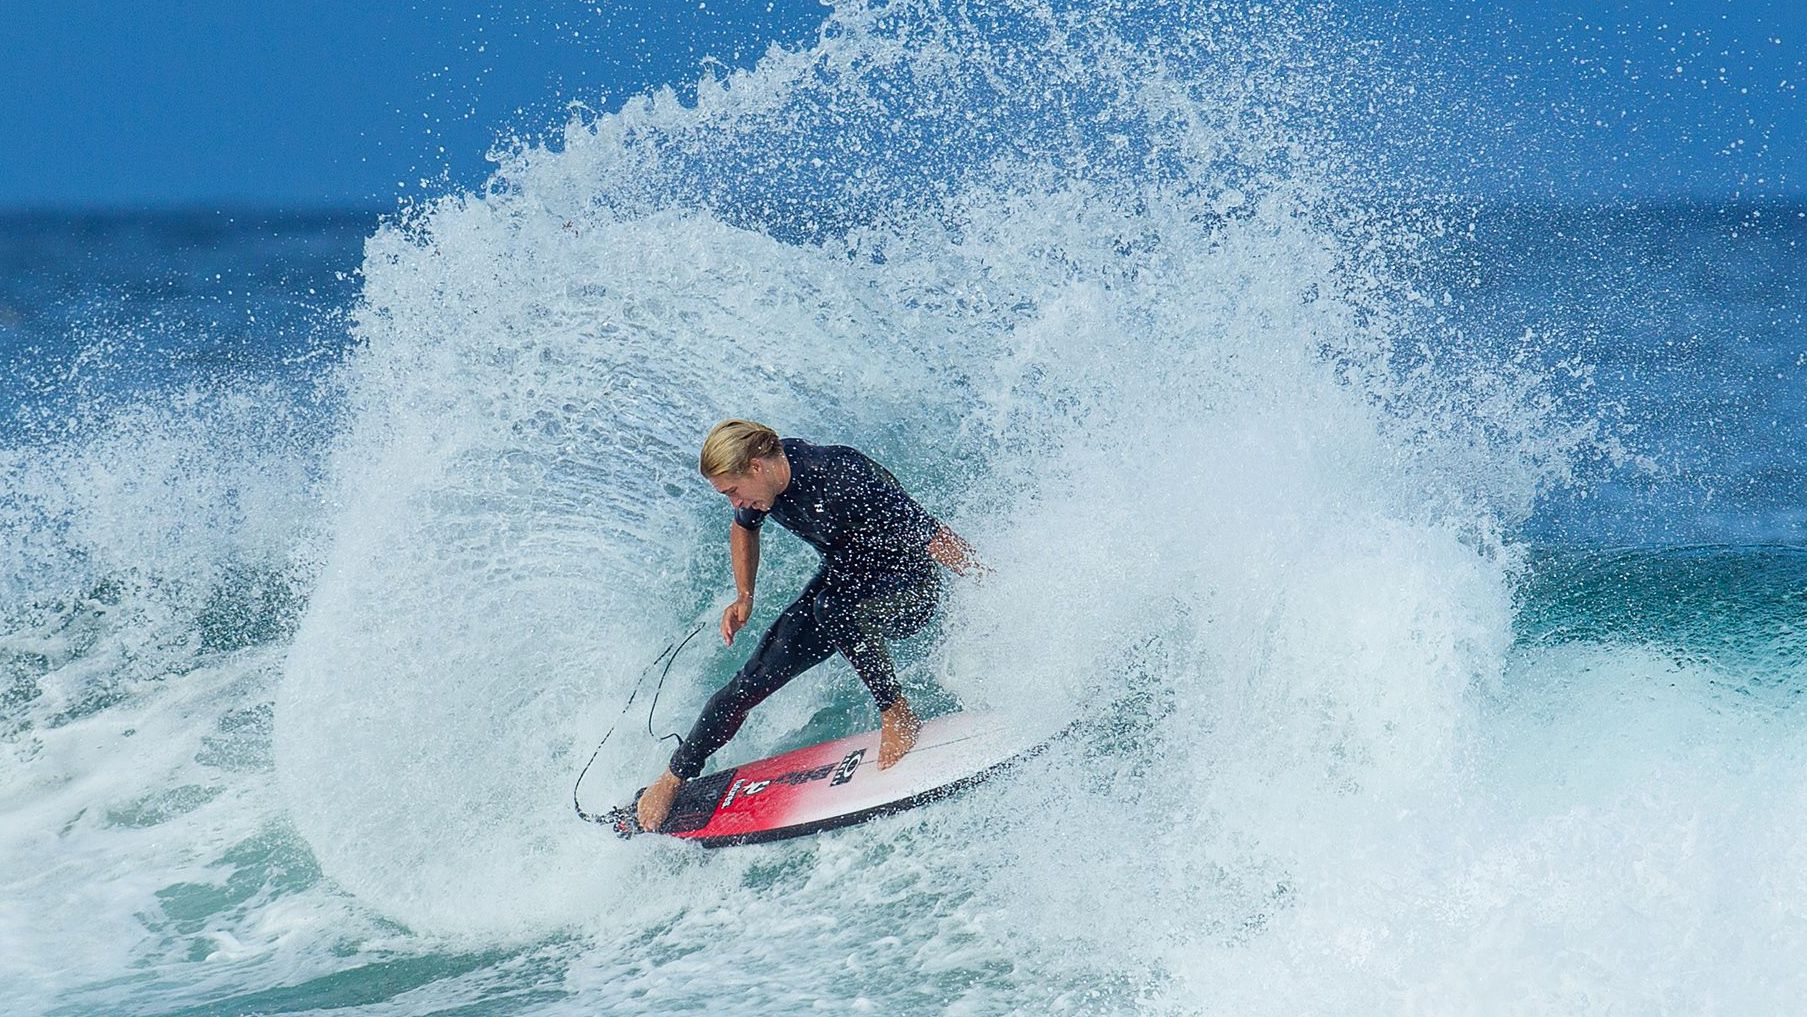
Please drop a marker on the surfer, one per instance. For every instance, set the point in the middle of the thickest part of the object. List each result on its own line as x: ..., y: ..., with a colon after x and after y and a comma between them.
x: 878, y: 581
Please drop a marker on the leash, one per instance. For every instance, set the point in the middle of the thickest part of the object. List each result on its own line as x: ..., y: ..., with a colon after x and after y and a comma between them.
x: 668, y: 657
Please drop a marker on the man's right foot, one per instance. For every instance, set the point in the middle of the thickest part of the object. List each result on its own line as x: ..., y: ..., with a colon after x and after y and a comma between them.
x: 655, y: 801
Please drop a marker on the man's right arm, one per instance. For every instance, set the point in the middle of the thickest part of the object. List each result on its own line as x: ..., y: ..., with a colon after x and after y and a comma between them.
x: 743, y: 551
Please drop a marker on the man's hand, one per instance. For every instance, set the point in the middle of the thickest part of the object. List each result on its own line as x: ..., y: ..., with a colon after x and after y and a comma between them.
x: 955, y: 554
x: 655, y: 801
x: 734, y: 617
x: 896, y: 734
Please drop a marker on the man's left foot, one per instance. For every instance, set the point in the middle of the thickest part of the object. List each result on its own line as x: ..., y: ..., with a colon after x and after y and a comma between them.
x: 896, y: 734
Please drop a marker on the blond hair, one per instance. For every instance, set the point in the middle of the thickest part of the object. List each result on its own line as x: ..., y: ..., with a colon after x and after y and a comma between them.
x: 732, y: 445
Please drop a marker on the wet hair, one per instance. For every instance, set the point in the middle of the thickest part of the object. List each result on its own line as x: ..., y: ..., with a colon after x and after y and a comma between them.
x: 732, y: 445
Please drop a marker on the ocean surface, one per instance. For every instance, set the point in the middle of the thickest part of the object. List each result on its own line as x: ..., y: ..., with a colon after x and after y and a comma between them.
x: 1429, y: 573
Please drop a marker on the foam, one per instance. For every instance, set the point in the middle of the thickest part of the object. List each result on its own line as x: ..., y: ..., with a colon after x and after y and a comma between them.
x: 1155, y: 363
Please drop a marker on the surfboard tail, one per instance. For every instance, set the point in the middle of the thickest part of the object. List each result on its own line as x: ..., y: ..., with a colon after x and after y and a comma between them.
x: 623, y: 819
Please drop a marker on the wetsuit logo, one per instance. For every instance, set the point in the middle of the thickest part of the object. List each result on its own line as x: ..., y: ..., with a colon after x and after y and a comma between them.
x: 849, y: 766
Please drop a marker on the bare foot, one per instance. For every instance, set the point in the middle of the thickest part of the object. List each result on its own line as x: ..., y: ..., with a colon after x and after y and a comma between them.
x: 655, y: 801
x: 897, y: 734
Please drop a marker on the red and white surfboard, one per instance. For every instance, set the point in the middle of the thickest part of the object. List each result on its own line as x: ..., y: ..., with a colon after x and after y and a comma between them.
x: 834, y: 784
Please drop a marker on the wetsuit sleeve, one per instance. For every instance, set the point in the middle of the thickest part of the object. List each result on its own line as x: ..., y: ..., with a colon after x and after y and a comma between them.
x: 752, y: 519
x: 902, y: 517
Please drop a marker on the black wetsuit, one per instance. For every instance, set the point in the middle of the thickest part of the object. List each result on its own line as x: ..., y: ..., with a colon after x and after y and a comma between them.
x: 876, y: 582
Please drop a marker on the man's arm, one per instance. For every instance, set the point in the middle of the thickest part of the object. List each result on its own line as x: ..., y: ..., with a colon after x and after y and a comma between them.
x: 743, y: 550
x: 953, y: 552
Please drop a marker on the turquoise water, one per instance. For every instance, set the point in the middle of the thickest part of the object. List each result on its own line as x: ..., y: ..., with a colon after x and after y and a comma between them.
x: 1429, y: 574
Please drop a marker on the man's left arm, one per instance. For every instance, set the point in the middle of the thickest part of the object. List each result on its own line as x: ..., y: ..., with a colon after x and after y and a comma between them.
x: 891, y: 502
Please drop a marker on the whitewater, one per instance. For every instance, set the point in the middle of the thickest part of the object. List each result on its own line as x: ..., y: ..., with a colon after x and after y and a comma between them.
x: 1423, y: 662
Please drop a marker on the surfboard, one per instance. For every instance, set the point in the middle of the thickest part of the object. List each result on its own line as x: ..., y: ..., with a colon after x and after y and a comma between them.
x: 833, y: 784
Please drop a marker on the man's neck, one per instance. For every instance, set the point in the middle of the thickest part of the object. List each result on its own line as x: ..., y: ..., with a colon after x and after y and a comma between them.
x: 784, y: 474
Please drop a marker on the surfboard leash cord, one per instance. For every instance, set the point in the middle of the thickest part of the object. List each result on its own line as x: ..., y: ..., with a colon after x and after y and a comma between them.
x: 668, y: 657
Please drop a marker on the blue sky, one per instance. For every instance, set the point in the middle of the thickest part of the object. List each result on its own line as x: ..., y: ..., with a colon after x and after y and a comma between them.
x: 325, y: 102
x: 335, y: 103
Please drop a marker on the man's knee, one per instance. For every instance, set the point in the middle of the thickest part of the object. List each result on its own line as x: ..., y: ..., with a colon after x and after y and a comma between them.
x: 728, y: 700
x: 822, y: 607
x: 843, y: 617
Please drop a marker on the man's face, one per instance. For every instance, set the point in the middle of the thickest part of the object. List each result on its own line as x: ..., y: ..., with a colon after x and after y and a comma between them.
x: 753, y: 489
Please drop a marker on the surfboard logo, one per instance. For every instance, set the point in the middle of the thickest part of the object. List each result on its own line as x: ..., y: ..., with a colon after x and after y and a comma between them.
x: 842, y: 772
x: 729, y: 800
x: 849, y: 766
